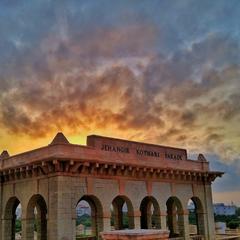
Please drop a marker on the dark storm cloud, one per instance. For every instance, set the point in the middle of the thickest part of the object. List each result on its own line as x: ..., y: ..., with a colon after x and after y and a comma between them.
x: 214, y: 137
x: 230, y: 108
x: 48, y: 91
x: 193, y: 72
x: 170, y: 71
x: 25, y: 108
x: 146, y: 70
x: 228, y: 182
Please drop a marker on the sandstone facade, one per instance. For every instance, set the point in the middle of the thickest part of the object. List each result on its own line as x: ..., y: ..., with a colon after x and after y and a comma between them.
x: 53, y: 179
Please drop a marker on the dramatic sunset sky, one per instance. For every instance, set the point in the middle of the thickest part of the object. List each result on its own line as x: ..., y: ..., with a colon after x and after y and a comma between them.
x: 160, y: 71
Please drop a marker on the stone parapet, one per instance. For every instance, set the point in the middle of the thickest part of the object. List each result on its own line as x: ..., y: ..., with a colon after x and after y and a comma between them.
x: 136, y: 234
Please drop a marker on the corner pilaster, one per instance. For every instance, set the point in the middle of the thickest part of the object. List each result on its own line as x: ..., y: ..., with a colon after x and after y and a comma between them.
x: 209, y: 216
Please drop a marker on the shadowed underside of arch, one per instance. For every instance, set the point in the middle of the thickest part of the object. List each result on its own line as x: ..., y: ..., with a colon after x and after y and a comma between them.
x: 175, y: 219
x: 96, y: 214
x: 9, y: 221
x: 199, y: 215
x: 150, y: 213
x: 119, y: 213
x: 36, y: 218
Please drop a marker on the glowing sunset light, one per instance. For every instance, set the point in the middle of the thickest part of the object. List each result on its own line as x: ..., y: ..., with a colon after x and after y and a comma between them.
x: 150, y: 71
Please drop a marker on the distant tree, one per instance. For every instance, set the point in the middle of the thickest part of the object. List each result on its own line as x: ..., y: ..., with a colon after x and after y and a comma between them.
x: 84, y: 220
x: 125, y: 220
x: 233, y: 224
x: 18, y: 225
x: 238, y: 211
x: 232, y: 221
x: 192, y: 218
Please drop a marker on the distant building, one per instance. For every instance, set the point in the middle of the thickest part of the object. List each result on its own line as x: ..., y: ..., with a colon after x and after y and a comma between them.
x: 222, y: 209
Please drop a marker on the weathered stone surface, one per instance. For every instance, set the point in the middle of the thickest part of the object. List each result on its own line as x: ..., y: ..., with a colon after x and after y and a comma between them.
x: 105, y: 172
x: 140, y: 234
x: 59, y: 139
x: 4, y: 154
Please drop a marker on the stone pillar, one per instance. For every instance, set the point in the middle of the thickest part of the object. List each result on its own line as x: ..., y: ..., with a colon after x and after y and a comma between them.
x: 163, y: 219
x: 137, y: 219
x: 24, y: 228
x: 6, y: 229
x: 106, y: 221
x: 149, y: 220
x: 1, y: 228
x: 172, y: 222
x: 200, y: 223
x: 52, y: 227
x: 184, y: 225
x: 205, y: 225
x: 209, y: 220
x: 41, y: 225
x: 119, y: 217
x: 74, y: 227
x: 64, y: 209
x: 60, y: 220
x: 156, y: 218
x: 28, y: 228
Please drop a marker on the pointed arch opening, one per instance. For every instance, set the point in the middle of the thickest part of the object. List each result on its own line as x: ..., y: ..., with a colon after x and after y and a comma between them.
x: 150, y: 213
x: 12, y: 220
x: 122, y: 216
x: 175, y: 221
x: 89, y: 218
x: 196, y: 217
x: 36, y: 222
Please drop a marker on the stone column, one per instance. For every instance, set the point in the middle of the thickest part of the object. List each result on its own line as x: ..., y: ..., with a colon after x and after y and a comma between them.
x: 119, y: 217
x: 6, y: 229
x: 172, y: 221
x: 28, y: 228
x: 24, y: 228
x: 60, y: 220
x: 74, y: 227
x: 156, y: 217
x: 200, y: 221
x: 64, y: 209
x: 163, y: 218
x: 149, y: 220
x: 41, y: 225
x: 106, y: 221
x: 209, y: 217
x: 184, y: 225
x: 175, y: 227
x: 52, y: 208
x: 137, y: 219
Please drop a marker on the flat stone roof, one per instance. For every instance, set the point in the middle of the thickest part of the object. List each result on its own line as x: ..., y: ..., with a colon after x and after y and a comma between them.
x: 106, y: 151
x: 106, y: 157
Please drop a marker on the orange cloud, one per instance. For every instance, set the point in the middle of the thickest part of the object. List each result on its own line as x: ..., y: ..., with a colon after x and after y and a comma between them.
x: 62, y: 89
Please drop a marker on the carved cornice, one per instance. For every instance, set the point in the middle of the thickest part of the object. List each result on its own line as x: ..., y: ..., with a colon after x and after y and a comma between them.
x: 100, y: 169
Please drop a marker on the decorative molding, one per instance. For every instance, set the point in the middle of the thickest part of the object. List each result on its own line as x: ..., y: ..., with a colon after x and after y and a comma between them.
x: 71, y: 167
